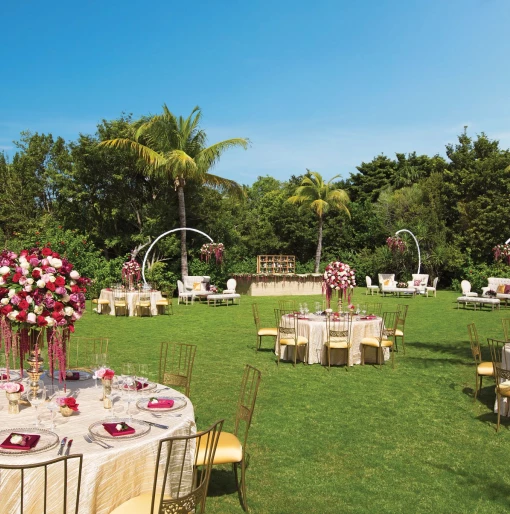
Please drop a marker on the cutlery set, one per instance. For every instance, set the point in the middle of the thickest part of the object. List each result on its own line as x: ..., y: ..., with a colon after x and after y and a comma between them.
x: 62, y: 445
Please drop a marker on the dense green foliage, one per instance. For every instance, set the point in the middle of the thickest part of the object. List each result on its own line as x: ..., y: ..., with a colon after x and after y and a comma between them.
x: 457, y: 208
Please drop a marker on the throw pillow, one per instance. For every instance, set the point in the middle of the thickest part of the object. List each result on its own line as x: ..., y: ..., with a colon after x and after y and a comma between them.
x: 387, y: 282
x: 507, y: 289
x: 501, y: 289
x: 417, y: 283
x: 197, y: 286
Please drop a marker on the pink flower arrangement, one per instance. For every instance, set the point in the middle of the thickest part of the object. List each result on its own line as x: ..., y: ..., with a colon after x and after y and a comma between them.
x: 131, y: 271
x: 105, y: 373
x: 12, y: 387
x: 395, y: 244
x: 502, y: 252
x: 68, y: 401
x: 338, y: 276
x: 209, y: 249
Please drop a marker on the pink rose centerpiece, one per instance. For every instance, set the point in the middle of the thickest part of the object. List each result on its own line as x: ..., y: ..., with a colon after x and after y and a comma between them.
x: 502, y: 253
x: 338, y: 277
x: 210, y: 249
x: 106, y: 375
x: 40, y: 293
x: 131, y: 272
x: 12, y: 387
x: 68, y: 402
x: 13, y: 392
x: 395, y: 244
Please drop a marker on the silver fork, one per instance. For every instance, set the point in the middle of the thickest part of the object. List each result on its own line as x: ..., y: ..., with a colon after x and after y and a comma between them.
x: 90, y: 439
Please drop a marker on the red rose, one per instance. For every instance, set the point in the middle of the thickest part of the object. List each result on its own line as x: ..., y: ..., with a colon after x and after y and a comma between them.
x: 3, y: 291
x: 71, y: 328
x: 41, y: 321
x: 46, y: 251
x: 23, y: 304
x: 57, y: 316
x: 45, y: 313
x: 22, y: 316
x: 58, y: 306
x: 56, y: 255
x: 50, y: 286
x: 60, y: 281
x: 36, y: 274
x: 16, y: 277
x: 75, y: 289
x: 6, y: 309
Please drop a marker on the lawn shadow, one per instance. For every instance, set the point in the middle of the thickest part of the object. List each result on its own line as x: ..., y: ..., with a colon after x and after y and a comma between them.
x: 458, y: 351
x: 427, y: 362
x: 222, y: 482
x: 485, y: 396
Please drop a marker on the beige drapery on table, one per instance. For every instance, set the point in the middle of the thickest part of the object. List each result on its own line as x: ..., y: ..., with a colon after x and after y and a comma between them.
x: 506, y: 365
x: 314, y: 329
x: 109, y: 477
x: 131, y: 298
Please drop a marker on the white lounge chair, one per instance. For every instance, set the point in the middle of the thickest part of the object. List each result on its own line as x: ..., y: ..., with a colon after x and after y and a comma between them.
x: 433, y: 288
x: 370, y: 287
x: 466, y: 289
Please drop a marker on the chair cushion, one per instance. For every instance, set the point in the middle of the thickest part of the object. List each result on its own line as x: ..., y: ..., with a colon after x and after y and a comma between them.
x: 291, y: 341
x: 229, y: 291
x: 162, y: 302
x: 337, y: 343
x: 373, y: 341
x: 504, y: 388
x: 486, y: 369
x: 138, y: 505
x: 267, y: 332
x: 228, y: 451
x: 399, y: 333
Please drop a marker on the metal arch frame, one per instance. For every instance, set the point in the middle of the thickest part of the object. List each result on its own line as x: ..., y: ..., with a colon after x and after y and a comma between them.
x: 163, y: 235
x: 417, y: 245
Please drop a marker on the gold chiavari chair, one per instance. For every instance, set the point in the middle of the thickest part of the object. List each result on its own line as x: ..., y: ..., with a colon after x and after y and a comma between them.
x: 288, y: 305
x: 288, y: 335
x: 232, y: 446
x: 401, y: 322
x: 79, y: 351
x: 182, y: 488
x: 501, y: 365
x: 386, y: 331
x: 120, y: 302
x: 53, y: 486
x: 371, y: 308
x: 482, y: 369
x: 176, y: 365
x: 262, y: 331
x: 338, y: 337
x: 506, y: 328
x: 143, y: 303
x: 165, y: 304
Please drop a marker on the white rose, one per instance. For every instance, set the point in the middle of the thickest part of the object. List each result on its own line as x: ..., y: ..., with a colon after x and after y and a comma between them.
x: 28, y: 298
x: 30, y: 280
x: 16, y: 439
x: 118, y: 427
x: 52, y: 278
x: 31, y: 317
x: 74, y: 275
x: 2, y: 281
x: 24, y: 265
x: 4, y: 301
x: 41, y: 283
x: 12, y: 292
x: 68, y: 311
x: 66, y: 298
x: 56, y: 263
x: 50, y: 321
x: 22, y: 259
x: 4, y: 270
x: 38, y: 309
x: 12, y: 315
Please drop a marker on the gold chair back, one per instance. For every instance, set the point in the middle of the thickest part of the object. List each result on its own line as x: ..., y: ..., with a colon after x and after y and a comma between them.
x: 246, y: 402
x: 176, y: 460
x: 256, y: 315
x: 372, y: 308
x: 506, y: 328
x: 120, y: 302
x: 143, y: 303
x: 389, y: 325
x: 287, y: 305
x: 79, y: 351
x: 37, y: 484
x: 500, y: 361
x: 176, y: 365
x: 339, y: 329
x: 476, y: 349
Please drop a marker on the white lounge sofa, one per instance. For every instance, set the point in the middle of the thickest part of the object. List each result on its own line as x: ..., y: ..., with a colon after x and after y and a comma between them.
x: 498, y: 286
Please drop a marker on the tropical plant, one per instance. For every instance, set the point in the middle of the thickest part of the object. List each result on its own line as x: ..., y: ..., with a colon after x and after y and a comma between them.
x: 320, y: 196
x: 174, y: 149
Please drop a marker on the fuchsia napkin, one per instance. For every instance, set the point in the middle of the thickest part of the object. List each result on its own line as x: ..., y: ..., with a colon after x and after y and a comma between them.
x: 29, y: 441
x: 110, y: 428
x: 3, y: 376
x: 162, y: 404
x: 75, y: 376
x: 139, y: 385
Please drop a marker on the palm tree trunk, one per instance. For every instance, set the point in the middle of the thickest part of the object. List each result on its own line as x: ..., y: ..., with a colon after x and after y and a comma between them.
x: 319, y: 247
x: 182, y: 221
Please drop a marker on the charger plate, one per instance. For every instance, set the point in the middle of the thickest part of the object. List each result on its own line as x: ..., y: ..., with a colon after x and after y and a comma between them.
x: 141, y: 428
x: 179, y: 404
x: 47, y: 441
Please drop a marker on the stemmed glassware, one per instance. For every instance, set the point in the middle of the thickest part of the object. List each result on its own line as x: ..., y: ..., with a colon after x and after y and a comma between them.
x: 94, y: 365
x: 36, y: 397
x: 52, y: 395
x: 305, y: 309
x: 143, y: 374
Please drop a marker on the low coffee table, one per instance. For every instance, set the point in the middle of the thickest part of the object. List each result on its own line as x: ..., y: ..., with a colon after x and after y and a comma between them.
x: 400, y: 290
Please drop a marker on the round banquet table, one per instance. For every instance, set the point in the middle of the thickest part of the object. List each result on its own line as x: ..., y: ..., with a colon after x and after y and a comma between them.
x: 505, y: 364
x: 131, y: 298
x: 109, y: 477
x: 313, y: 327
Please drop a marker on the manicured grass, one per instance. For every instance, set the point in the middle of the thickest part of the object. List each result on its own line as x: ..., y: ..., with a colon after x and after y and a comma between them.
x: 365, y: 440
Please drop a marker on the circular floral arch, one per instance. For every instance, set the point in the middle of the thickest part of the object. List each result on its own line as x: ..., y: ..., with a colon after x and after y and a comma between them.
x: 163, y: 235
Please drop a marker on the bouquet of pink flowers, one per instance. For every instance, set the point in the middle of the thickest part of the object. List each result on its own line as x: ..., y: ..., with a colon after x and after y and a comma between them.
x: 209, y: 249
x: 395, y: 244
x: 502, y: 252
x: 68, y: 401
x: 105, y: 373
x: 12, y: 387
x: 338, y: 276
x: 131, y: 271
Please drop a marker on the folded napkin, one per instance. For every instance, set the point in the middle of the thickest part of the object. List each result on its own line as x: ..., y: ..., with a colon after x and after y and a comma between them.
x: 140, y: 385
x: 112, y: 430
x: 75, y: 375
x: 3, y: 376
x: 302, y: 317
x: 29, y: 441
x: 162, y: 404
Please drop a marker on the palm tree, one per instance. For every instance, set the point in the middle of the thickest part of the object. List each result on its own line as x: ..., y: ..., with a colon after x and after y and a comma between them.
x: 320, y: 196
x: 174, y: 148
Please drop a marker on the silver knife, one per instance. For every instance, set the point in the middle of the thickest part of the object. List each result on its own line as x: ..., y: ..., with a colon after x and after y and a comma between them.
x: 68, y: 449
x: 157, y: 425
x: 62, y: 444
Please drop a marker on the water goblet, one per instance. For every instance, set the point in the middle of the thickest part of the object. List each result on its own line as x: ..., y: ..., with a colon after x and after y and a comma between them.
x: 94, y: 365
x: 129, y: 390
x: 301, y: 311
x: 143, y: 374
x: 52, y: 395
x: 305, y: 309
x: 36, y: 397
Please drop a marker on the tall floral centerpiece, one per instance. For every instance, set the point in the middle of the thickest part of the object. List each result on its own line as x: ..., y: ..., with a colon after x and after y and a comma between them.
x: 131, y: 273
x: 502, y: 253
x: 340, y: 277
x: 40, y: 295
x: 210, y: 249
x: 396, y: 244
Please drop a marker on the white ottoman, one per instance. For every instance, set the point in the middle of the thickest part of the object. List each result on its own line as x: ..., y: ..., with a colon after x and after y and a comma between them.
x: 214, y: 298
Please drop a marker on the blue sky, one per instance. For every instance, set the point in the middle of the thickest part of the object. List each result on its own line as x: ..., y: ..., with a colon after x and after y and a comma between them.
x: 323, y: 85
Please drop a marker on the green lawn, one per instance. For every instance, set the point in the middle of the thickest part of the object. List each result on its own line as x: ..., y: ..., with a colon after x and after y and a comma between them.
x: 365, y: 440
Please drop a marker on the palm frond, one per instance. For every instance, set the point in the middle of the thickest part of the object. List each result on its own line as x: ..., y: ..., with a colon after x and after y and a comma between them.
x: 210, y: 155
x: 224, y: 184
x: 150, y: 156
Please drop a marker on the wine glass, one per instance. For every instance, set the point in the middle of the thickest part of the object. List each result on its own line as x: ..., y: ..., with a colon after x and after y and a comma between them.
x: 305, y: 309
x: 301, y: 311
x: 143, y: 374
x: 94, y: 365
x: 129, y: 390
x: 52, y: 396
x: 36, y: 397
x: 317, y: 308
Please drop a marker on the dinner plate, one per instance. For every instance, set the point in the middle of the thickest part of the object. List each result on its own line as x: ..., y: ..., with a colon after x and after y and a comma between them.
x: 14, y: 376
x: 150, y: 387
x: 47, y: 440
x: 141, y: 428
x: 84, y: 375
x: 179, y: 404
